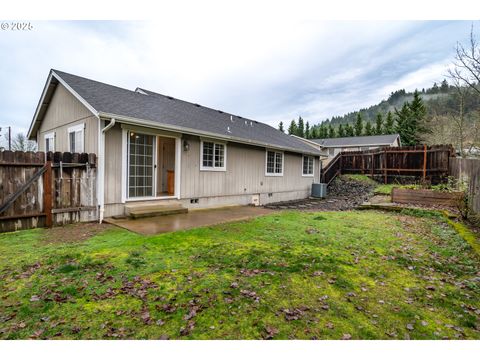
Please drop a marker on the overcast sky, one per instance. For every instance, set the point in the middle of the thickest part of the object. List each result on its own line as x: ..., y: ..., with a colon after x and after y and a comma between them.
x: 269, y: 71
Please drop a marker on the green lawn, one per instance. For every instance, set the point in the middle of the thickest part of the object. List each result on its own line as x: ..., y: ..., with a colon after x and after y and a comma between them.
x: 293, y: 275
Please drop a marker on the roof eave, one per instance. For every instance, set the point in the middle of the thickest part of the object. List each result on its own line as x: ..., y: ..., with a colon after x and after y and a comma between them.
x: 195, y: 132
x: 41, y: 103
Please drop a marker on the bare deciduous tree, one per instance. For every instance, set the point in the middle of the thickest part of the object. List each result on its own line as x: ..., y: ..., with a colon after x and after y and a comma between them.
x: 466, y: 66
x: 21, y: 143
x: 465, y: 75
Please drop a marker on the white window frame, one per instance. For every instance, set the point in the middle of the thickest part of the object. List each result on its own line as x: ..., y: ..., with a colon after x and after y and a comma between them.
x: 75, y: 129
x: 49, y: 136
x: 313, y: 166
x: 125, y: 164
x: 154, y: 167
x: 213, y: 167
x: 274, y: 163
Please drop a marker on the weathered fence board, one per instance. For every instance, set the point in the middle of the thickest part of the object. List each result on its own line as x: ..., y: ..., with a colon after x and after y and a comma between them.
x: 66, y: 193
x: 425, y: 197
x: 423, y: 162
x: 468, y: 170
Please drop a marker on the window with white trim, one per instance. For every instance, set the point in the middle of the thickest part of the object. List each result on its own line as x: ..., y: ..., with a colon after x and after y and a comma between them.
x: 76, y: 138
x: 274, y: 166
x: 213, y: 156
x: 49, y: 142
x: 307, y: 165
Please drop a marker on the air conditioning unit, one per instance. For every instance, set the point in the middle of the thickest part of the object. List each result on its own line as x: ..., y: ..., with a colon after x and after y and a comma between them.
x: 319, y: 190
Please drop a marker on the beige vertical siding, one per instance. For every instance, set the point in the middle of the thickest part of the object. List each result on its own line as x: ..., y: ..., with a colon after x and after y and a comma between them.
x: 245, y: 173
x: 63, y: 112
x: 113, y: 165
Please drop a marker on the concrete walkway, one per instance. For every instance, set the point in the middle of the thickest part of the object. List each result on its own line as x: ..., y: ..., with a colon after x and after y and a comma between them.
x: 193, y: 219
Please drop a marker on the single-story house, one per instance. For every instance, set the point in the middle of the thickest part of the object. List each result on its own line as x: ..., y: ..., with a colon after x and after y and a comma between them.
x: 156, y: 149
x: 331, y: 147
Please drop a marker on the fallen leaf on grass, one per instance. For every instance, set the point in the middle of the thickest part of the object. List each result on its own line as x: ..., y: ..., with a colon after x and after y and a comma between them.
x: 186, y: 330
x: 270, y: 332
x: 250, y: 294
x: 293, y: 314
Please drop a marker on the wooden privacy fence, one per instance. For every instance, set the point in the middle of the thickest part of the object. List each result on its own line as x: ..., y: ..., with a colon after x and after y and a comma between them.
x: 468, y: 170
x: 429, y: 163
x: 43, y: 189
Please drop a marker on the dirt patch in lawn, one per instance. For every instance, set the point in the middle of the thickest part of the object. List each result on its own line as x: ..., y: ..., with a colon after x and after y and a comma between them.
x: 73, y: 232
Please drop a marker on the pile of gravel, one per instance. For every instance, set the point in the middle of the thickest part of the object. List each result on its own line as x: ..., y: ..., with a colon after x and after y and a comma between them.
x: 343, y: 193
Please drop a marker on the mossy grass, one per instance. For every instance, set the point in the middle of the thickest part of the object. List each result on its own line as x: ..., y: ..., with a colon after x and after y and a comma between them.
x: 288, y: 275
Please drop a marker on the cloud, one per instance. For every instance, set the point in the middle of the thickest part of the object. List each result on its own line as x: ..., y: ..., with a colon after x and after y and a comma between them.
x: 269, y: 70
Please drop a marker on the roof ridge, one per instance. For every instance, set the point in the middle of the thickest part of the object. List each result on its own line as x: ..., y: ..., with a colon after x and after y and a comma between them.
x: 114, y: 100
x: 60, y: 72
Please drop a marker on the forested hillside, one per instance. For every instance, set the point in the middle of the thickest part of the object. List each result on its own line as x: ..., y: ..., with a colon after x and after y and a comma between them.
x: 448, y: 113
x: 394, y: 101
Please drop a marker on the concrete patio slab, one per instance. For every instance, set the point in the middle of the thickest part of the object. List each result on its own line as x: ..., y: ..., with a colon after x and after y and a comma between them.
x: 193, y: 219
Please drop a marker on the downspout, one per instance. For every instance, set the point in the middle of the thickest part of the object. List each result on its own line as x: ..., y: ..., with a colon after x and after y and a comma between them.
x: 101, y: 168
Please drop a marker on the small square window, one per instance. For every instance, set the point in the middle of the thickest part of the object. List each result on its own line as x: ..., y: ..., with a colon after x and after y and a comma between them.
x: 274, y: 163
x: 213, y: 156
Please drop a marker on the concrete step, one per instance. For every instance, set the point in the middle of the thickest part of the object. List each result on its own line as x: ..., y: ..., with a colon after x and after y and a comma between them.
x: 142, y: 210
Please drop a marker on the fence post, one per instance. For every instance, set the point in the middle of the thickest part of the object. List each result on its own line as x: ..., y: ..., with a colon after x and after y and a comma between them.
x: 385, y: 164
x: 424, y: 162
x: 47, y: 194
x: 371, y: 166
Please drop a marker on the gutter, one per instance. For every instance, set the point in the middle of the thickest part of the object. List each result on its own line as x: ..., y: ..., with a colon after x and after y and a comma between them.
x: 101, y: 167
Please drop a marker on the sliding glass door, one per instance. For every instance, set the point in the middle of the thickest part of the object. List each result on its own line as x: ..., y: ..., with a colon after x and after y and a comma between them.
x: 141, y: 164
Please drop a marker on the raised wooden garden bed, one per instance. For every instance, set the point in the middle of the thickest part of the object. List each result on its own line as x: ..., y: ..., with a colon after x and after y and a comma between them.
x: 425, y: 197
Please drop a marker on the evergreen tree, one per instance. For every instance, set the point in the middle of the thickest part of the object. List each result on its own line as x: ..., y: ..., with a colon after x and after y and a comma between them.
x: 409, y: 122
x: 349, y: 131
x: 292, y: 129
x: 331, y: 131
x: 280, y: 127
x: 341, y: 131
x: 379, y: 124
x: 444, y: 86
x: 389, y: 126
x: 369, y: 129
x: 359, y: 125
x: 418, y: 112
x: 323, y: 131
x: 300, y: 128
x: 405, y: 125
x: 307, y: 130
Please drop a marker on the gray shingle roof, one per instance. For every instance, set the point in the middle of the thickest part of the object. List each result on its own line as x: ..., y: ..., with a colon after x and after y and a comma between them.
x: 173, y: 112
x: 357, y: 140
